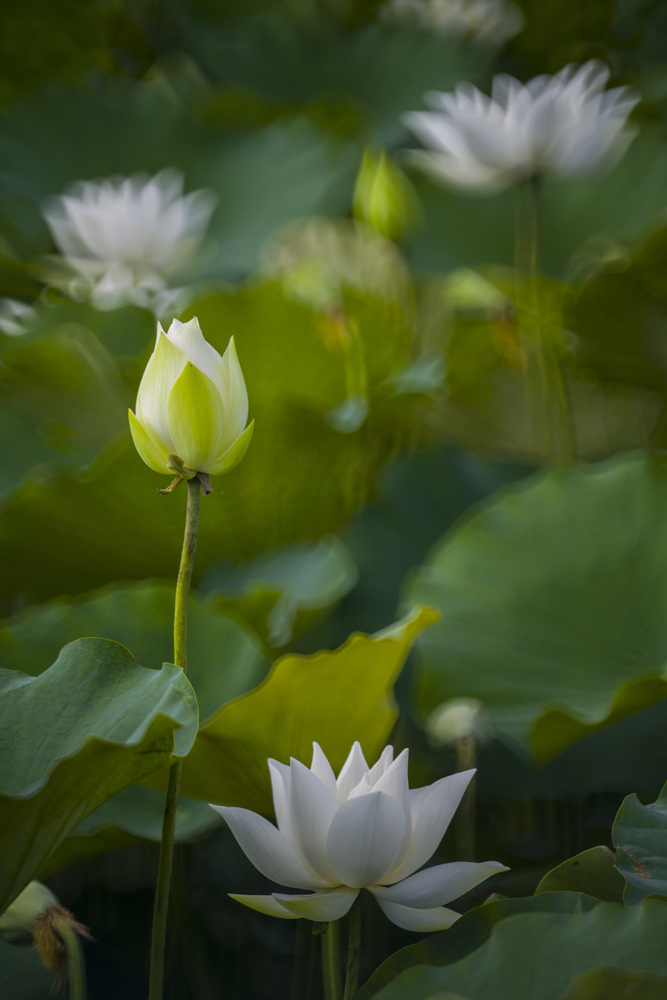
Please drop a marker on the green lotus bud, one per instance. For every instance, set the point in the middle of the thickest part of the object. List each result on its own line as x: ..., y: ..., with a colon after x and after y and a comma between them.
x: 18, y: 920
x: 383, y: 196
x: 36, y: 917
x: 192, y: 405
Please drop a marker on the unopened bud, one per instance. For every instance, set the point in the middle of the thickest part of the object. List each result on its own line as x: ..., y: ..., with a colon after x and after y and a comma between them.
x: 36, y: 917
x: 458, y: 719
x: 383, y: 196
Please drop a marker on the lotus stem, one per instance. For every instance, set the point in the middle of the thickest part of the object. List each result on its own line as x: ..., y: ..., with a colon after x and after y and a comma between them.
x: 331, y: 962
x: 76, y: 971
x: 466, y: 758
x: 161, y: 906
x: 553, y: 410
x: 353, y: 951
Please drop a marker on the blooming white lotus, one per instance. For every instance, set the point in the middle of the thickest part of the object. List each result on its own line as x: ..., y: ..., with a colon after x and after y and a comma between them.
x: 562, y: 125
x: 125, y: 236
x: 192, y: 405
x: 365, y: 829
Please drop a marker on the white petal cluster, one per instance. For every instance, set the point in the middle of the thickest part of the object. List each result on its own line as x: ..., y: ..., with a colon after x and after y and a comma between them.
x: 562, y: 125
x: 491, y: 22
x: 124, y: 237
x: 365, y: 829
x: 192, y: 404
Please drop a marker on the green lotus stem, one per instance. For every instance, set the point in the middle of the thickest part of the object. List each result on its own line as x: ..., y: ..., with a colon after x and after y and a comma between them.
x: 161, y: 907
x: 466, y: 758
x: 559, y: 437
x: 76, y: 970
x: 353, y: 952
x: 331, y: 962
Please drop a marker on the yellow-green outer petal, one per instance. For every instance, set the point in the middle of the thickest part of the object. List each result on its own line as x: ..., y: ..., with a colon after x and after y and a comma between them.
x: 154, y: 458
x: 231, y: 458
x: 234, y: 394
x: 195, y: 418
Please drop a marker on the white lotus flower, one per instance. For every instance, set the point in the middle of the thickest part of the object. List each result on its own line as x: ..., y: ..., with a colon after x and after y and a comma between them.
x: 562, y: 125
x: 126, y: 236
x: 365, y: 829
x: 192, y: 404
x: 491, y: 22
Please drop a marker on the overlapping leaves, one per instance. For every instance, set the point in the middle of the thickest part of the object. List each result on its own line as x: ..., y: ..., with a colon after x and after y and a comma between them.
x: 560, y: 580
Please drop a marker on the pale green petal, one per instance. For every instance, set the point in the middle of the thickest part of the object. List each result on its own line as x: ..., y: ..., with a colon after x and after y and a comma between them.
x: 231, y: 458
x: 331, y: 904
x: 164, y: 366
x: 265, y: 904
x: 234, y: 394
x: 148, y: 450
x: 437, y: 918
x: 195, y: 418
x: 439, y: 884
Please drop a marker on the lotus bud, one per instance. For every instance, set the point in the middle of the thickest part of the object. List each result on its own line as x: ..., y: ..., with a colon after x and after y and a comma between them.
x: 383, y: 197
x: 458, y: 719
x: 192, y: 406
x: 36, y: 917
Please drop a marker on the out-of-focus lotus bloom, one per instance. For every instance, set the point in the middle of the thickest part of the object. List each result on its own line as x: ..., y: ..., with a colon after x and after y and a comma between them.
x: 15, y: 317
x: 192, y: 405
x: 457, y: 719
x: 365, y: 829
x: 383, y: 196
x: 126, y: 236
x: 491, y: 22
x: 562, y: 125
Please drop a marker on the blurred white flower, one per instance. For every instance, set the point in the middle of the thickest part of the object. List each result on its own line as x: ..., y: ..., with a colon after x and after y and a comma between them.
x: 123, y: 238
x: 15, y: 317
x: 562, y: 125
x: 365, y: 829
x: 491, y: 22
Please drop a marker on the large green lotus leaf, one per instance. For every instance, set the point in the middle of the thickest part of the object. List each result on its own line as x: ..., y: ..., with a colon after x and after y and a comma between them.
x: 331, y: 697
x: 134, y: 816
x: 468, y: 230
x: 294, y: 61
x: 24, y: 446
x: 469, y: 934
x: 92, y: 724
x: 70, y: 385
x: 420, y: 497
x: 225, y: 658
x: 640, y: 836
x: 619, y: 984
x: 552, y: 599
x: 300, y: 479
x: 538, y: 954
x: 285, y: 591
x: 22, y: 975
x: 591, y: 872
x: 618, y: 316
